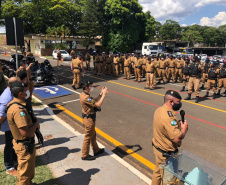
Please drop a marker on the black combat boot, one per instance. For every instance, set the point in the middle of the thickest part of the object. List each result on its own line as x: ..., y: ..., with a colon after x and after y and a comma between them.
x: 197, y: 99
x: 214, y: 95
x: 189, y: 97
x: 183, y: 88
x: 207, y: 94
x: 219, y: 92
x: 202, y: 86
x: 225, y: 93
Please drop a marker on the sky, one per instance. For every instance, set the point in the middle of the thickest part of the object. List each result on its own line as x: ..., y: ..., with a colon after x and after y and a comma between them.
x: 188, y: 12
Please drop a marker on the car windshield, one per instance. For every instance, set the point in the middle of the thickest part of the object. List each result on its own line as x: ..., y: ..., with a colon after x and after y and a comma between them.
x: 151, y: 47
x: 63, y: 52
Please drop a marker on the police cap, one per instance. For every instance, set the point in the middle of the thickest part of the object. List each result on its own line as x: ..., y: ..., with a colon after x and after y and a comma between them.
x: 175, y: 94
x: 87, y: 84
x: 149, y: 57
x: 17, y: 84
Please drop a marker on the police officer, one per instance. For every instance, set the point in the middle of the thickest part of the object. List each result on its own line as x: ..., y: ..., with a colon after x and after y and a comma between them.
x: 127, y: 63
x: 178, y: 71
x: 59, y: 57
x: 207, y: 65
x: 89, y: 108
x: 23, y: 131
x: 73, y: 54
x: 168, y: 133
x: 150, y: 70
x: 76, y: 67
x: 162, y: 70
x: 137, y: 69
x: 109, y: 61
x: 222, y: 79
x: 116, y: 65
x: 186, y: 69
x: 171, y: 69
x: 194, y: 80
x: 212, y: 80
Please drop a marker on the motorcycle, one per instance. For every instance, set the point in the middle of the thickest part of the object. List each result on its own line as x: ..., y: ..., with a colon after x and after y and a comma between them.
x: 42, y: 73
x: 9, y: 68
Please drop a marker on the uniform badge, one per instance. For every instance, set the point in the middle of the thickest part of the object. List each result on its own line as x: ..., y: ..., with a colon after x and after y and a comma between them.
x: 22, y: 114
x: 173, y: 123
x: 89, y: 99
x: 170, y: 114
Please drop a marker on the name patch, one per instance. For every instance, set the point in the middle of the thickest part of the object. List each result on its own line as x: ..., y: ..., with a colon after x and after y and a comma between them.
x: 170, y: 114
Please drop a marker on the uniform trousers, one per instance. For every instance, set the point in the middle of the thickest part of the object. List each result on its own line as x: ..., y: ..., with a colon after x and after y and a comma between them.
x: 221, y: 83
x: 89, y: 138
x: 171, y: 73
x: 26, y: 164
x: 162, y: 75
x: 137, y: 74
x: 150, y: 80
x: 77, y: 77
x: 88, y: 65
x: 127, y: 72
x: 116, y: 72
x: 30, y: 87
x: 98, y: 68
x: 193, y: 82
x: 204, y: 77
x: 178, y: 73
x: 143, y: 71
x: 59, y: 61
x: 109, y: 68
x: 120, y: 68
x: 185, y: 79
x: 211, y: 82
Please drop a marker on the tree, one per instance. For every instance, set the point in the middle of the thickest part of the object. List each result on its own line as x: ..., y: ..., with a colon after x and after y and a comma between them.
x: 89, y: 26
x: 170, y: 30
x: 222, y: 32
x: 150, y: 28
x: 126, y: 25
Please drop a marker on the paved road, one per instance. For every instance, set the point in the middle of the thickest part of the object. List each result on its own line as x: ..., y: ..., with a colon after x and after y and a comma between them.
x: 127, y: 115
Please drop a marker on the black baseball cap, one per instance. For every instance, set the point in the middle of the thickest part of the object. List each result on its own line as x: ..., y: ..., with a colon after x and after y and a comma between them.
x: 22, y: 74
x: 17, y: 84
x: 175, y: 94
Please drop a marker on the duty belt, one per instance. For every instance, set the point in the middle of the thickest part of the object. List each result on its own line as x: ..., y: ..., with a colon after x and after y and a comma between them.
x: 75, y: 68
x: 126, y: 66
x: 178, y: 68
x: 92, y: 116
x: 171, y: 67
x: 137, y: 66
x: 22, y: 141
x: 166, y: 154
x: 149, y: 72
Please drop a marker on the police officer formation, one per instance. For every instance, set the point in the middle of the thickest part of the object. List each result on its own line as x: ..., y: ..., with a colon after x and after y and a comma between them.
x: 161, y: 69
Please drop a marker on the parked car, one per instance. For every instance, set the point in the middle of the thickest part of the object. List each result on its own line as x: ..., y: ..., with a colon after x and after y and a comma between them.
x: 204, y: 57
x: 64, y: 54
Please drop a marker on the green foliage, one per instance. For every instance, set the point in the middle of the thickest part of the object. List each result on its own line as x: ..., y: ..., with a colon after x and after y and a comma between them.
x: 61, y: 46
x: 170, y: 30
x: 150, y: 28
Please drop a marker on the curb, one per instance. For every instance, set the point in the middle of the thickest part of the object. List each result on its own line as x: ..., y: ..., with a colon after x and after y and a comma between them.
x: 109, y: 152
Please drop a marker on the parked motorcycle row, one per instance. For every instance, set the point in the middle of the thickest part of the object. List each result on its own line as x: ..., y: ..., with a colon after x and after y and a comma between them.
x: 42, y: 73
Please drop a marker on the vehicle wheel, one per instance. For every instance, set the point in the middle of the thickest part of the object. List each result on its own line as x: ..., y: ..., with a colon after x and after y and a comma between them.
x: 54, y: 79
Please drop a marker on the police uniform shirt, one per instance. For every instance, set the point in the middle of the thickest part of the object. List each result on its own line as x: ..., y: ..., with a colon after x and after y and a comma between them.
x: 76, y: 63
x: 87, y: 102
x: 150, y: 67
x: 127, y: 62
x: 18, y: 117
x: 165, y: 129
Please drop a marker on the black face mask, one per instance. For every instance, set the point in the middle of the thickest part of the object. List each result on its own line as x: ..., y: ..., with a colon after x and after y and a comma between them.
x: 177, y: 106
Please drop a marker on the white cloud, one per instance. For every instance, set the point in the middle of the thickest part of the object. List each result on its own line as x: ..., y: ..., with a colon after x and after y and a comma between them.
x: 175, y: 9
x: 183, y: 25
x: 218, y: 20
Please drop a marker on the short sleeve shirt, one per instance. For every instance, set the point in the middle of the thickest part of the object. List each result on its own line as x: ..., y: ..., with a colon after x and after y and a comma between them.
x: 87, y: 102
x: 5, y: 98
x: 165, y: 129
x: 18, y: 117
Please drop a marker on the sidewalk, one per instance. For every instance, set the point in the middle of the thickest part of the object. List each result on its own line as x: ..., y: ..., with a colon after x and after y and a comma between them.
x: 62, y: 154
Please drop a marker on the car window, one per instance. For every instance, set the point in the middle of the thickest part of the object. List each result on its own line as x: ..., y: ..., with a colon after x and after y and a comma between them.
x: 63, y: 52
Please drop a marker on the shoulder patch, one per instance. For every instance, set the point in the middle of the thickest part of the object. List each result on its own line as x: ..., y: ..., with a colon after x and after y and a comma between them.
x: 173, y: 123
x: 89, y: 99
x: 22, y: 114
x: 170, y: 113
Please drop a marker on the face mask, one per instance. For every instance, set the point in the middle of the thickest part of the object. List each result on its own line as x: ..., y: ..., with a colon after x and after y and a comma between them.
x: 91, y: 89
x: 28, y: 94
x: 177, y: 106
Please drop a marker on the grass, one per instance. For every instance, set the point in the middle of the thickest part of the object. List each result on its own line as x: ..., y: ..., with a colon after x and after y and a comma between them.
x: 35, y: 103
x: 48, y: 57
x: 43, y: 175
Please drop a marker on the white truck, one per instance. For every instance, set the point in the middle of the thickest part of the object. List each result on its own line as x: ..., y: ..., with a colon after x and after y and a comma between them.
x: 152, y: 48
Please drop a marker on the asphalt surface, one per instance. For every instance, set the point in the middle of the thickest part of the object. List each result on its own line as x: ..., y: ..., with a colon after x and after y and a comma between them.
x: 127, y: 115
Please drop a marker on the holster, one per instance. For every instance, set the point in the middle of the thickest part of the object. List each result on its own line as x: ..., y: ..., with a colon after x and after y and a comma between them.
x: 29, y: 144
x: 92, y: 116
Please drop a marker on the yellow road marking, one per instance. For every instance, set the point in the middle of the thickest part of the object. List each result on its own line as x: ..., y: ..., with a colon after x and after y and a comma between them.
x: 112, y: 140
x: 208, y: 107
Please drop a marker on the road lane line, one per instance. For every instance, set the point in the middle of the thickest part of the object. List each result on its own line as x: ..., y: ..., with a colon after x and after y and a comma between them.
x: 113, y: 141
x: 70, y: 101
x: 69, y: 89
x: 208, y: 107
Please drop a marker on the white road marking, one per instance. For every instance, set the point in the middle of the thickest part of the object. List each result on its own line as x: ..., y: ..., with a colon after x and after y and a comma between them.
x: 70, y: 101
x: 69, y: 89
